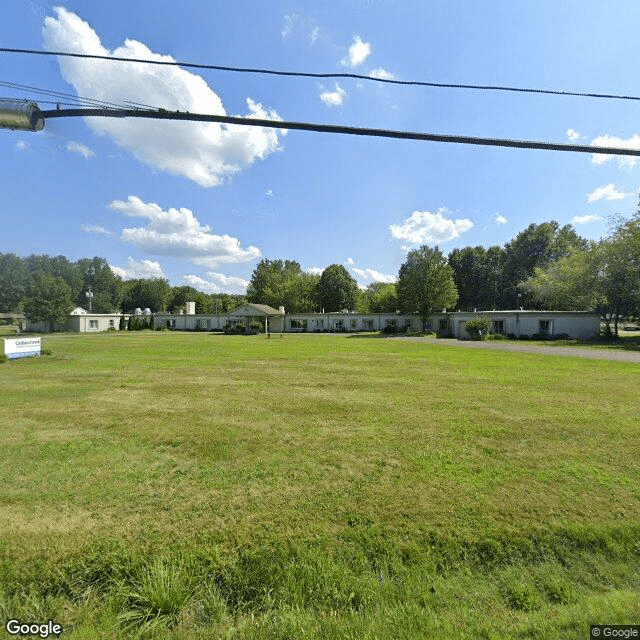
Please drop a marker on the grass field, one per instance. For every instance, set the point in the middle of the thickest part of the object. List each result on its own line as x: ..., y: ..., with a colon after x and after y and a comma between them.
x: 188, y: 486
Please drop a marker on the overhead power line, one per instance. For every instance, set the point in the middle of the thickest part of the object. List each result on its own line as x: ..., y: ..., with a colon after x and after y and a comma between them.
x: 162, y: 114
x: 302, y: 74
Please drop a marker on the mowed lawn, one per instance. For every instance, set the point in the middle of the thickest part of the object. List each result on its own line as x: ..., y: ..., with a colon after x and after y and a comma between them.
x: 198, y: 486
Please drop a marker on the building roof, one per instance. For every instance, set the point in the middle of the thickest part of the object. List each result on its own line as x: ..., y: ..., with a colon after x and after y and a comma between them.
x: 251, y: 309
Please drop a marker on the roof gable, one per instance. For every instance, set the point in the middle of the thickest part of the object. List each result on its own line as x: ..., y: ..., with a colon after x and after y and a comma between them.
x: 251, y: 309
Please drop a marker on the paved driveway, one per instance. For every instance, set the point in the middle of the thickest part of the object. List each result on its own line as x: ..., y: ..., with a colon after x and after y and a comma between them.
x: 594, y: 353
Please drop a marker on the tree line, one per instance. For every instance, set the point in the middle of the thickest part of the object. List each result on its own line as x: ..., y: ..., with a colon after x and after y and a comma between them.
x: 48, y: 288
x: 543, y: 266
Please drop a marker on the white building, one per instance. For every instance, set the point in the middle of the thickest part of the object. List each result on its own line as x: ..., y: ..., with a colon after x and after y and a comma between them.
x: 516, y: 323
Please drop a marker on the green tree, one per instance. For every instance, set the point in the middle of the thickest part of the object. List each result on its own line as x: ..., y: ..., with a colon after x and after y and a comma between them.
x: 283, y: 282
x: 13, y: 282
x: 106, y: 286
x: 536, y: 246
x: 337, y: 290
x: 425, y: 283
x: 380, y: 297
x: 49, y: 300
x: 477, y: 272
x: 142, y: 293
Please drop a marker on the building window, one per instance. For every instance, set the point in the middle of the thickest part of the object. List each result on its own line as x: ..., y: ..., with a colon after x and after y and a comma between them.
x: 408, y: 324
x: 367, y: 324
x: 339, y: 324
x: 298, y: 325
x: 498, y: 326
x: 444, y: 325
x: 93, y: 324
x: 170, y: 324
x: 391, y: 323
x: 354, y: 324
x: 112, y: 323
x: 546, y: 326
x: 319, y: 324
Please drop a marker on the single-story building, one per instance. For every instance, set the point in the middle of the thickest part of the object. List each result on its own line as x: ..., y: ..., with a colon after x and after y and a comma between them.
x: 271, y: 319
x: 575, y: 324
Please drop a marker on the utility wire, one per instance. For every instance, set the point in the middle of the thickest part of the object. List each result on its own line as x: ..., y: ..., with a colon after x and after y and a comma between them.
x: 162, y: 114
x: 77, y: 100
x: 299, y: 74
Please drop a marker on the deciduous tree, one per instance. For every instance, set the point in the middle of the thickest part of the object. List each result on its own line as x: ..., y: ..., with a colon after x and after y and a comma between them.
x: 425, y: 283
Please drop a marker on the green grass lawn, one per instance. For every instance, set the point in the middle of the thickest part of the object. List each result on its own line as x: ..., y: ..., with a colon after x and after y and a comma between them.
x: 190, y: 486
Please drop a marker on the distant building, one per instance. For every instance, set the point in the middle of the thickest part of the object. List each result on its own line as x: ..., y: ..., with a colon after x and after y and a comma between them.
x: 573, y: 324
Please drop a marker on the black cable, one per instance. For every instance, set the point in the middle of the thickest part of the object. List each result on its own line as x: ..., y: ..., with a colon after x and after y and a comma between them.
x: 162, y: 114
x: 299, y: 74
x: 78, y: 100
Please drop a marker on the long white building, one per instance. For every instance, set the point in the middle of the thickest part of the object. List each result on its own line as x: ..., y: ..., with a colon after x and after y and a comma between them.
x: 516, y: 323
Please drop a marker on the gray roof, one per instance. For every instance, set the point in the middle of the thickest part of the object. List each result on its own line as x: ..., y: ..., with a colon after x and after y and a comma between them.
x: 258, y: 310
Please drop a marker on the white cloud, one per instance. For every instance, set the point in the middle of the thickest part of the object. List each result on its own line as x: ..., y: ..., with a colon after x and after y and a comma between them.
x: 350, y: 261
x: 607, y: 192
x: 288, y: 25
x: 21, y: 145
x: 205, y: 153
x: 78, y: 147
x: 218, y: 283
x: 178, y: 233
x: 359, y: 51
x: 585, y: 219
x: 333, y: 98
x: 373, y: 275
x: 316, y: 271
x: 573, y: 135
x: 500, y: 219
x: 314, y: 35
x: 423, y: 226
x: 139, y: 269
x: 612, y: 141
x: 269, y: 192
x: 381, y: 74
x: 98, y: 229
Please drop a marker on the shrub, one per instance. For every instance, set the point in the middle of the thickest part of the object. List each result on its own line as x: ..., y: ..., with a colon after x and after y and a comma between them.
x: 523, y: 336
x: 3, y: 357
x: 478, y: 327
x: 390, y: 328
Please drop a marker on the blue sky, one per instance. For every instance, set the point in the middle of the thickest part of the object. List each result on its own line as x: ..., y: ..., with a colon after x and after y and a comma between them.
x: 201, y: 204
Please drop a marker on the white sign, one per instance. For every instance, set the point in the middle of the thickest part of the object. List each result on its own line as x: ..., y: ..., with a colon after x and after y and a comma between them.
x: 22, y: 347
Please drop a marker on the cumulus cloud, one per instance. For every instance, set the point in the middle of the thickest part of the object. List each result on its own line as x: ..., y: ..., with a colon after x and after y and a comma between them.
x: 423, y: 226
x: 21, y: 145
x: 613, y: 141
x: 350, y: 261
x: 359, y: 51
x: 78, y: 147
x: 217, y: 283
x: 316, y: 271
x: 98, y: 229
x: 607, y: 192
x: 178, y: 233
x: 139, y: 269
x: 205, y: 153
x: 573, y: 135
x: 373, y: 275
x: 381, y: 74
x: 500, y: 219
x: 333, y: 98
x: 585, y: 219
